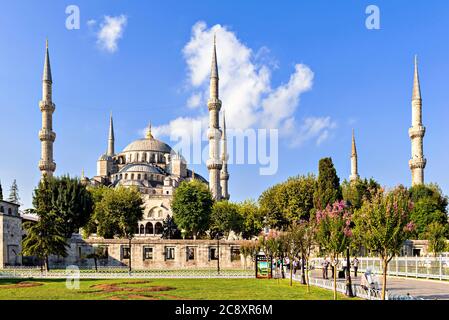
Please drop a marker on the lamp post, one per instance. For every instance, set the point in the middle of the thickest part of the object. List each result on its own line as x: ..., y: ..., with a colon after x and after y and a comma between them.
x: 349, y: 292
x: 218, y: 252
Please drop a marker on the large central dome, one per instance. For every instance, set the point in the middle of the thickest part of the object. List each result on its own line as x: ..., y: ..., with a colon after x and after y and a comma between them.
x: 148, y: 144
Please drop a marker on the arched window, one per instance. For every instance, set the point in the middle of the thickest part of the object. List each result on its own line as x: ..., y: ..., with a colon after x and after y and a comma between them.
x: 121, y: 176
x: 142, y: 229
x: 132, y: 176
x: 9, y: 211
x: 126, y: 176
x: 149, y: 228
x: 158, y: 228
x: 2, y: 209
x: 159, y: 214
x: 138, y: 176
x: 146, y: 176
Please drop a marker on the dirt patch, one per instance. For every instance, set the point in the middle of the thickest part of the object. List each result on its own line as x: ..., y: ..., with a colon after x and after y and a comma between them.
x: 22, y: 284
x: 117, y: 287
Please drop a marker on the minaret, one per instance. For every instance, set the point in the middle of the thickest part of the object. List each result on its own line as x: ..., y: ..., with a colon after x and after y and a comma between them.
x: 46, y: 135
x: 224, y: 175
x: 417, y: 163
x: 214, y: 105
x: 354, y: 165
x: 111, y: 138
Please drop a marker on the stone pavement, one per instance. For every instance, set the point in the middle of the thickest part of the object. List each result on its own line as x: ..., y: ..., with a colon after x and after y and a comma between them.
x: 426, y: 289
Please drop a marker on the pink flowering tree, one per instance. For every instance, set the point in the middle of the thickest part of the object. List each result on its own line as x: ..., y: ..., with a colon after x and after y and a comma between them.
x: 334, y: 233
x: 383, y: 224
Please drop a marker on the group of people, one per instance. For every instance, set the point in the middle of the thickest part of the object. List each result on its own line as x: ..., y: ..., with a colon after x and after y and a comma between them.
x: 326, y: 263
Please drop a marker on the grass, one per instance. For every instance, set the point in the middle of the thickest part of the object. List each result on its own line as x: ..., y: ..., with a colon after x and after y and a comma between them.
x: 160, y: 289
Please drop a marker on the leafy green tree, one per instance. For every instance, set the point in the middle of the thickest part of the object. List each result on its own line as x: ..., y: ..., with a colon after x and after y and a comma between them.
x: 355, y: 192
x: 46, y: 236
x: 436, y: 235
x: 225, y: 218
x: 328, y: 189
x: 383, y: 224
x: 170, y: 229
x: 192, y: 207
x: 253, y: 218
x: 14, y: 193
x: 430, y: 205
x: 249, y: 249
x: 334, y: 232
x: 303, y: 235
x: 1, y: 191
x: 118, y: 213
x: 271, y: 209
x: 72, y: 202
x: 295, y: 198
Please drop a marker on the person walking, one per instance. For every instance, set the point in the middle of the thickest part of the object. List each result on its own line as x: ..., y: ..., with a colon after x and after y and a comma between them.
x: 325, y: 266
x: 355, y: 264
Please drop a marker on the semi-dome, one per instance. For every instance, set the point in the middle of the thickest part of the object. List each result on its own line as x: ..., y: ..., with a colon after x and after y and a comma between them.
x: 141, y: 167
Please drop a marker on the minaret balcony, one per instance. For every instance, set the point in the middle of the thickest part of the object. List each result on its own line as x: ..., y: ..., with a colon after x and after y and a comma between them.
x: 213, y: 164
x: 214, y: 104
x: 45, y: 105
x: 45, y: 165
x: 416, y: 131
x: 47, y: 135
x: 417, y: 163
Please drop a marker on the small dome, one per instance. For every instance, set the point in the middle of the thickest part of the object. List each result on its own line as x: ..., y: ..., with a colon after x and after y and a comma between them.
x: 148, y: 144
x: 105, y: 157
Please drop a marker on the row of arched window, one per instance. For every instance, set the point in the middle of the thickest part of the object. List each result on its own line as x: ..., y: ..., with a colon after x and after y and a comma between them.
x: 138, y: 176
x: 143, y: 157
x: 148, y: 229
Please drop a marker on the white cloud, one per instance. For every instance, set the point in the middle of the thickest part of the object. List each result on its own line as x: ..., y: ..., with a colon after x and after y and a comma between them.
x: 91, y: 23
x: 318, y: 128
x: 248, y: 97
x: 111, y: 30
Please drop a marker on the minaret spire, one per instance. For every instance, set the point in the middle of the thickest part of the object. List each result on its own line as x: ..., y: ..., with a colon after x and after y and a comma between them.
x: 354, y: 165
x: 111, y: 138
x: 46, y: 135
x: 224, y: 175
x: 416, y: 133
x: 214, y: 164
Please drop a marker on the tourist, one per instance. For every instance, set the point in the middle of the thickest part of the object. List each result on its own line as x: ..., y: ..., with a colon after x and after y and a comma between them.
x: 325, y: 265
x: 355, y: 264
x: 344, y: 265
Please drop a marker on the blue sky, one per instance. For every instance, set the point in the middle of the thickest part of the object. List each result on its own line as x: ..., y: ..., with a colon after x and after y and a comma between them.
x: 362, y: 79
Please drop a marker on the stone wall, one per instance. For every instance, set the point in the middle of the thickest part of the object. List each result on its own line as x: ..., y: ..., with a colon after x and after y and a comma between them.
x: 10, y: 234
x: 154, y: 253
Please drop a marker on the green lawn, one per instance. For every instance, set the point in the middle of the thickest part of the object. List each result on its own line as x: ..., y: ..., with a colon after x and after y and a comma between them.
x: 160, y: 289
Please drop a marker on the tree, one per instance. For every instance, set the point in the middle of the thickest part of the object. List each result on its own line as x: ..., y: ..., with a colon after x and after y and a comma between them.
x: 430, y: 205
x: 436, y: 235
x: 270, y: 208
x: 192, y: 206
x: 14, y: 193
x: 225, y: 218
x: 118, y: 213
x: 355, y: 192
x: 328, y: 189
x: 253, y: 219
x: 295, y: 198
x: 1, y: 191
x: 249, y: 249
x: 288, y: 247
x: 383, y: 224
x: 170, y: 229
x: 46, y: 236
x: 334, y: 232
x: 98, y: 253
x: 72, y: 202
x: 304, y: 238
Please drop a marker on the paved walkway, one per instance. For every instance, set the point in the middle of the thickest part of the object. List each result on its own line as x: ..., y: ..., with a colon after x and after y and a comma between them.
x: 426, y: 289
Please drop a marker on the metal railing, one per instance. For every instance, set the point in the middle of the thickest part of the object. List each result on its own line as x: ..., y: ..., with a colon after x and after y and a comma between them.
x: 122, y: 272
x: 436, y: 268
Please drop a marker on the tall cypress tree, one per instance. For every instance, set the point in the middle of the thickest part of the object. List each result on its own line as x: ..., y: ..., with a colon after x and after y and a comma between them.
x: 14, y: 193
x: 328, y: 186
x: 1, y: 191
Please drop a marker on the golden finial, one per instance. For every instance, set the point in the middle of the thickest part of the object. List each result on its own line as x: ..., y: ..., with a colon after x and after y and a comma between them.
x: 46, y: 43
x: 149, y: 134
